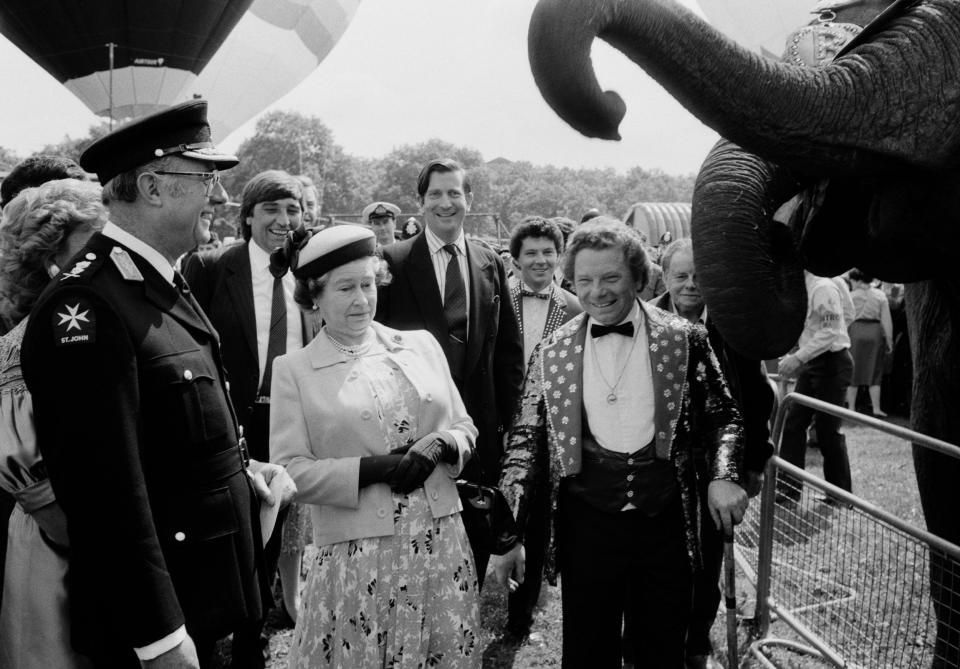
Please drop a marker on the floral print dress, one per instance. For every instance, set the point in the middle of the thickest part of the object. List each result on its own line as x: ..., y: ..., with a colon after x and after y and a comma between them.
x: 405, y: 601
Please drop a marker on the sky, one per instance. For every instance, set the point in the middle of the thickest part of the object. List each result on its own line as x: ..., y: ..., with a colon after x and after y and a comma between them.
x: 408, y: 71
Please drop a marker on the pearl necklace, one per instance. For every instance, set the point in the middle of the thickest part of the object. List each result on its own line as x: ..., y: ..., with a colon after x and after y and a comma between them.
x: 355, y: 351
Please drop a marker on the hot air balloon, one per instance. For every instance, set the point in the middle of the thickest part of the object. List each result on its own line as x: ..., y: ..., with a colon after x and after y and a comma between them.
x: 762, y: 26
x: 128, y: 58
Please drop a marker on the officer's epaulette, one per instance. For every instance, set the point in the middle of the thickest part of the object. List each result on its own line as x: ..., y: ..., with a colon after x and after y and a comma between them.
x: 83, y: 267
x: 125, y: 265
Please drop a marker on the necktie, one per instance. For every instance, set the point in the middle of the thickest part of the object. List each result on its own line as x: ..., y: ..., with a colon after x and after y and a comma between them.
x: 455, y: 298
x: 625, y: 329
x: 180, y: 283
x: 277, y: 343
x: 530, y: 293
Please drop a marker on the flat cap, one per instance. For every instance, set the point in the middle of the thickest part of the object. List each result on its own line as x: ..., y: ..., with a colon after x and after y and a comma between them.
x: 379, y: 210
x: 179, y: 130
x: 332, y: 247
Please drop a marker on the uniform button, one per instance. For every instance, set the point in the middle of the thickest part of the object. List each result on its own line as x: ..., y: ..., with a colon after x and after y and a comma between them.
x: 630, y: 461
x: 187, y: 374
x: 365, y: 414
x: 180, y: 536
x: 629, y: 493
x: 90, y: 256
x: 381, y: 513
x: 435, y: 495
x: 429, y: 397
x: 352, y: 376
x: 629, y: 477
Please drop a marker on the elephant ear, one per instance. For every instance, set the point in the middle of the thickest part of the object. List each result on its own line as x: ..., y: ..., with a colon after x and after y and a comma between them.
x: 748, y: 267
x: 900, y: 228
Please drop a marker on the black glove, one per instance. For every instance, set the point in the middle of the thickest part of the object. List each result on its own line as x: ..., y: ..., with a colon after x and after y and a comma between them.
x: 421, y: 459
x: 378, y: 469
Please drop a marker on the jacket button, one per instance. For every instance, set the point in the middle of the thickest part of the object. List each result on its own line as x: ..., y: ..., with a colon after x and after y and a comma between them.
x: 429, y: 397
x: 381, y: 513
x: 629, y: 477
x: 180, y: 536
x: 227, y: 384
x: 629, y: 493
x: 365, y: 414
x: 630, y: 461
x: 187, y: 374
x: 435, y: 495
x: 352, y: 376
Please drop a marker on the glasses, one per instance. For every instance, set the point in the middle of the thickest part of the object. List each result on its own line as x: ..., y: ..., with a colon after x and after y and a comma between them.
x: 210, y: 179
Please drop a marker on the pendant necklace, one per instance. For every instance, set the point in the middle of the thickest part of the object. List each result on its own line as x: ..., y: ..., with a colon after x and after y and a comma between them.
x: 612, y: 395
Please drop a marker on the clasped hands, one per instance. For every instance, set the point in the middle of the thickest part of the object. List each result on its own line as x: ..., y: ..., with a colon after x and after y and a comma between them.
x: 406, y: 468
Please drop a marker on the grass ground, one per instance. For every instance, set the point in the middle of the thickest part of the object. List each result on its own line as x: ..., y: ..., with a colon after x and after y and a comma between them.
x: 882, y: 470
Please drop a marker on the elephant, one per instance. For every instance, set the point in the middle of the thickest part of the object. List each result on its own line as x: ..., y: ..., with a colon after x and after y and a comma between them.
x: 870, y: 141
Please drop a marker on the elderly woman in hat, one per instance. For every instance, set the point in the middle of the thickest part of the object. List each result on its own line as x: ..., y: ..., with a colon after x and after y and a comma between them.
x: 369, y: 424
x: 42, y: 228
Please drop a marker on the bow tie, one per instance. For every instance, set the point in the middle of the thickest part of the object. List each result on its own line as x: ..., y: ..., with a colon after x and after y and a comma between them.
x: 625, y: 329
x: 530, y: 293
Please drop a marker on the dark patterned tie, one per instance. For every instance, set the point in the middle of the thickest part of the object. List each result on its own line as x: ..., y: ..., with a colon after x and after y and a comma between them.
x: 455, y: 297
x: 530, y: 293
x: 277, y: 343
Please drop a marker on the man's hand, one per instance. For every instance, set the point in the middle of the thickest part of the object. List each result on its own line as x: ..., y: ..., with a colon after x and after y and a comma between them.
x: 789, y: 366
x: 727, y: 503
x: 753, y: 483
x: 182, y: 656
x: 272, y: 483
x: 509, y: 568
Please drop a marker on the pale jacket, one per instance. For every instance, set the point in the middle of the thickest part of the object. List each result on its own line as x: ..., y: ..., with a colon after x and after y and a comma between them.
x: 323, y: 419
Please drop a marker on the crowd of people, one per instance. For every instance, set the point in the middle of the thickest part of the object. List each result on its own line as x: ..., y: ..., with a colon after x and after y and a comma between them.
x: 180, y: 418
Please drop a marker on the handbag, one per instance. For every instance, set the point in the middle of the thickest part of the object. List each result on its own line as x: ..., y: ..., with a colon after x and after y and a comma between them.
x: 490, y: 525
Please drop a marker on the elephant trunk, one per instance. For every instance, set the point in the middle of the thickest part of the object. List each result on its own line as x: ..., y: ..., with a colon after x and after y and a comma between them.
x: 748, y: 269
x: 871, y: 110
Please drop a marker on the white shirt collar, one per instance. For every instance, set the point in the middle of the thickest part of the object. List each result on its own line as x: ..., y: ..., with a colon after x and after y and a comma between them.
x: 548, y: 290
x: 435, y: 244
x: 141, y: 248
x: 634, y: 317
x: 703, y: 314
x: 259, y: 259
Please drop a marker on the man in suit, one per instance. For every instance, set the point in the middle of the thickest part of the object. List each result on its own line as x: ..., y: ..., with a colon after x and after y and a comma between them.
x: 457, y: 290
x: 748, y: 384
x: 540, y: 306
x: 133, y: 417
x: 252, y: 308
x: 612, y: 406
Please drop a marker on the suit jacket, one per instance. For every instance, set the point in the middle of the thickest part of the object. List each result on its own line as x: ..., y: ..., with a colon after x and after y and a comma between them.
x: 563, y: 306
x: 324, y: 419
x: 747, y: 380
x: 141, y: 444
x: 493, y: 369
x: 222, y: 282
x: 692, y: 407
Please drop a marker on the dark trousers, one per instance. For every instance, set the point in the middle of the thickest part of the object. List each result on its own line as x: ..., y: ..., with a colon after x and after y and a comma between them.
x: 613, y: 564
x: 524, y: 599
x: 826, y: 377
x: 706, y: 584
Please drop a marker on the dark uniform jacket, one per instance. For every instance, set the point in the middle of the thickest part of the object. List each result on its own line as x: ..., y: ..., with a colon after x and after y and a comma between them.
x: 222, y: 283
x: 140, y: 440
x: 493, y: 368
x: 748, y: 384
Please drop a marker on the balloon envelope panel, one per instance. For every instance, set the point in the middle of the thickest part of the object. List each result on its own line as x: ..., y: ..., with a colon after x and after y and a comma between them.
x: 760, y: 25
x: 160, y: 46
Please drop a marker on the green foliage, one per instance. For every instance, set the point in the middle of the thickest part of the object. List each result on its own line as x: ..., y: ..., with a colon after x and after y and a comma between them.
x: 73, y: 147
x: 8, y: 159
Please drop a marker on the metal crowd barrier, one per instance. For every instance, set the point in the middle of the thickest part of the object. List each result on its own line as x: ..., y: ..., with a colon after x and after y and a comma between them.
x: 850, y: 580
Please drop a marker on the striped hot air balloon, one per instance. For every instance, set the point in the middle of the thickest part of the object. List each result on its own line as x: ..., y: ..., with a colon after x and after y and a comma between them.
x: 135, y: 57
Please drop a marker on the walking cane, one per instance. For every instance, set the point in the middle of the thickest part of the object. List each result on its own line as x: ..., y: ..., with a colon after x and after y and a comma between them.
x: 730, y: 595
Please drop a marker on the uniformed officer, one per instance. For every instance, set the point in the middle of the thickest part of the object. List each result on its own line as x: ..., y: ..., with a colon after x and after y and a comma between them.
x: 133, y: 416
x: 381, y: 217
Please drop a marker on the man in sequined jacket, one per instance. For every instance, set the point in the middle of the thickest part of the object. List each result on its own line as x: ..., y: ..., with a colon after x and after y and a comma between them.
x: 612, y: 407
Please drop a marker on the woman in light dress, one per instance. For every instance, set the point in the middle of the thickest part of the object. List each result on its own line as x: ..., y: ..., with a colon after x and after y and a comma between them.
x: 42, y: 229
x: 871, y: 339
x: 369, y: 424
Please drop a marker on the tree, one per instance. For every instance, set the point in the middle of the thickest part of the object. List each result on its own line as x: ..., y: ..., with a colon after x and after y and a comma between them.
x: 74, y: 147
x: 8, y: 159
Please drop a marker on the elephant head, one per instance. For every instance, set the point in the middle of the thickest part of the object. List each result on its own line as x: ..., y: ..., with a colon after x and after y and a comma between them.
x: 881, y: 122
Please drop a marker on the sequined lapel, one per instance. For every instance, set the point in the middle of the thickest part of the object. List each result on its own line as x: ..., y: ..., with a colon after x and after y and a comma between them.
x: 562, y: 385
x: 557, y: 313
x: 669, y: 351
